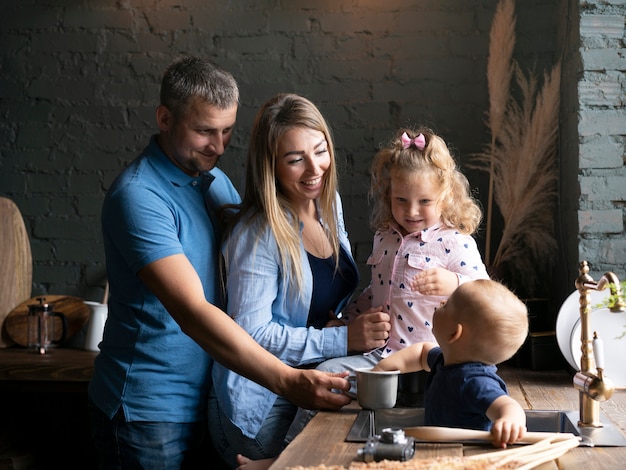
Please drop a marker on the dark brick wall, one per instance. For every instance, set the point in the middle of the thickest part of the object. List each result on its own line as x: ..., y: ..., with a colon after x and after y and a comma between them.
x: 79, y: 84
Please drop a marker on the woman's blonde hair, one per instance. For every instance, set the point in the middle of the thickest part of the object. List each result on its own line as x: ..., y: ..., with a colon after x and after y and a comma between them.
x: 459, y: 209
x: 263, y: 197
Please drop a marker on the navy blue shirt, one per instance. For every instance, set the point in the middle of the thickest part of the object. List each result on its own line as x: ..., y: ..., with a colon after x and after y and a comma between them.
x: 329, y: 287
x: 460, y: 394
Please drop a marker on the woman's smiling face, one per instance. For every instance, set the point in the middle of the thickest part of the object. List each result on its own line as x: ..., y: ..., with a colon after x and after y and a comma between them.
x: 301, y: 163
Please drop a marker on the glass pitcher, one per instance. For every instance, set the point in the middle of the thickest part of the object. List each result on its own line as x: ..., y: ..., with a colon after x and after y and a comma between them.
x: 41, y: 325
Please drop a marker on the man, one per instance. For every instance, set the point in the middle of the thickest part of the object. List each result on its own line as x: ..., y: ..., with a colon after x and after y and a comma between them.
x: 148, y: 394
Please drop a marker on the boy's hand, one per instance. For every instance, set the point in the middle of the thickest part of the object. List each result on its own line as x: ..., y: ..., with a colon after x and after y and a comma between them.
x: 409, y: 359
x: 508, y: 421
x: 383, y: 365
x: 505, y: 432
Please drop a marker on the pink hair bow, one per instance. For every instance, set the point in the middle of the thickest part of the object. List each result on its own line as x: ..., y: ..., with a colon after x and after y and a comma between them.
x: 419, y: 142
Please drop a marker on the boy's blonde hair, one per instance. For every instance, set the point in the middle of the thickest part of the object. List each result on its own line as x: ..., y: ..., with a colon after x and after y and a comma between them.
x: 459, y: 209
x: 495, y: 317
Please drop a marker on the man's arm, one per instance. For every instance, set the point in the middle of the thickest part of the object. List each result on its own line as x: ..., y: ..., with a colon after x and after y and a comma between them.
x: 177, y: 285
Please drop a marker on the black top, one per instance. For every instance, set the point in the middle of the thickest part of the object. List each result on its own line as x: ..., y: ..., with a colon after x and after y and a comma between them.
x: 329, y: 287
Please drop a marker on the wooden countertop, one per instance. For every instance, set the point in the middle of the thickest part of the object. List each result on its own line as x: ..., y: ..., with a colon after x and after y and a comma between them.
x: 43, y: 409
x: 323, y: 440
x: 60, y: 369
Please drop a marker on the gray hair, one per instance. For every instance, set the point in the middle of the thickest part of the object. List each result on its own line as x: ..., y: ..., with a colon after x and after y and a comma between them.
x: 191, y: 78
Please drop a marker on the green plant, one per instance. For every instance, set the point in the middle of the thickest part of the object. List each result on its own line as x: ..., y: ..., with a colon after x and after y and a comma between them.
x: 614, y: 299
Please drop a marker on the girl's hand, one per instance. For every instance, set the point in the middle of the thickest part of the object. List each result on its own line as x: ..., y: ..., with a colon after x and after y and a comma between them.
x: 435, y: 281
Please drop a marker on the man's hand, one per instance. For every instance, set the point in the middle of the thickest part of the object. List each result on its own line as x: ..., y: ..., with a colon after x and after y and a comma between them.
x: 317, y: 390
x: 435, y: 281
x: 369, y: 330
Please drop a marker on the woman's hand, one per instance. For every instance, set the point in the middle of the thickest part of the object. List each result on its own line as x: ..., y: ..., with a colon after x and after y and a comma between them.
x: 333, y: 320
x: 368, y: 331
x: 435, y: 281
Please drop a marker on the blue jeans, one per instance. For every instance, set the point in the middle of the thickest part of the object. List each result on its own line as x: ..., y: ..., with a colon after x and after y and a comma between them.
x: 268, y: 443
x: 148, y: 445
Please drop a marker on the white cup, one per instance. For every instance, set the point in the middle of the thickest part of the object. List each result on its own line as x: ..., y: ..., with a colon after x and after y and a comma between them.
x: 376, y: 389
x: 97, y: 318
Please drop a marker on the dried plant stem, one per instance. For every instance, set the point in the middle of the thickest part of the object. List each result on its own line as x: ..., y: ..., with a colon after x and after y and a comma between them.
x: 489, y: 218
x: 526, y: 182
x: 552, y: 452
x: 521, y: 161
x: 499, y: 73
x: 554, y: 445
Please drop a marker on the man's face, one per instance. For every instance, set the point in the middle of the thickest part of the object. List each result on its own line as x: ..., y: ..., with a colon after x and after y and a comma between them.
x: 196, y: 140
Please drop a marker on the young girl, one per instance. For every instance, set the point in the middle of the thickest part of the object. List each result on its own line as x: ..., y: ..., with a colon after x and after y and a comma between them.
x: 424, y: 218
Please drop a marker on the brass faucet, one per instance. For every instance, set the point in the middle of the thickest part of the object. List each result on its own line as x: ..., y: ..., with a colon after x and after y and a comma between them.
x: 593, y: 386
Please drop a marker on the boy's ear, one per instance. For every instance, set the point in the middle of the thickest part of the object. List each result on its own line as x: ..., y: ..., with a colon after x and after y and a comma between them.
x: 456, y: 334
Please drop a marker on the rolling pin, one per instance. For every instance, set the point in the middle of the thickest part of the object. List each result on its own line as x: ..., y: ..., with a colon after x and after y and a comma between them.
x: 443, y: 434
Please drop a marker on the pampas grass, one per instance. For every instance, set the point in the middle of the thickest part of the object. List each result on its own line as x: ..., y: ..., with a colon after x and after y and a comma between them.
x: 499, y: 69
x: 521, y: 161
x: 499, y: 73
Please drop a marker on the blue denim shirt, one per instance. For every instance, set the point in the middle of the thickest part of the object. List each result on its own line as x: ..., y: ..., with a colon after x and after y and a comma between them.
x: 275, y: 317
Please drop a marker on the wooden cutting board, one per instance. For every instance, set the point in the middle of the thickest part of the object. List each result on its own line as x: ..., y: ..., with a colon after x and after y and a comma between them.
x: 74, y: 308
x: 16, y: 263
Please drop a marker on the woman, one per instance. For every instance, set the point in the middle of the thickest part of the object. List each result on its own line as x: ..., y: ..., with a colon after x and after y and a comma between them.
x: 288, y: 270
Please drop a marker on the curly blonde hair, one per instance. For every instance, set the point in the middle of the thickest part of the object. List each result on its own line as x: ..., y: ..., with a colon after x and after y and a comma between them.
x: 459, y: 209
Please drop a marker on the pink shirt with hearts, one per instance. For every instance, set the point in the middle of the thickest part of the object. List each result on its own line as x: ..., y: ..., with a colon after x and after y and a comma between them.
x: 394, y: 262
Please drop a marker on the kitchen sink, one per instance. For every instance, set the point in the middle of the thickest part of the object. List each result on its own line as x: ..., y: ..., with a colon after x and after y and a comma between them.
x: 369, y: 423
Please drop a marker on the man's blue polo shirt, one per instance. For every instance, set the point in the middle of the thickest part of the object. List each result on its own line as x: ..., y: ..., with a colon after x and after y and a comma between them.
x: 147, y: 365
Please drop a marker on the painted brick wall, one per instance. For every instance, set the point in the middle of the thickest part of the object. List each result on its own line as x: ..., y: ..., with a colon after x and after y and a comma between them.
x: 601, y: 133
x: 79, y: 85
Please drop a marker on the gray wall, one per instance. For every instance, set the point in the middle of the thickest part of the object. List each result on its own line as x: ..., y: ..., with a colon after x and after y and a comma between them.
x: 79, y: 84
x: 601, y: 178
